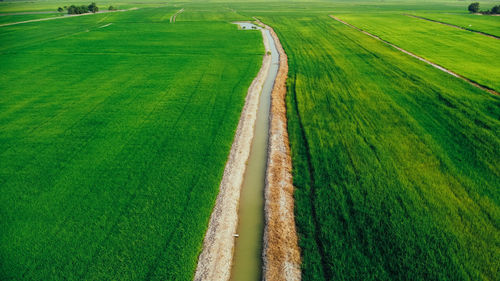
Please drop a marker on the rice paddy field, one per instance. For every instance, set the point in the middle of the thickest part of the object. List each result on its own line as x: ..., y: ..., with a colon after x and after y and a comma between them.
x: 486, y: 24
x: 395, y: 162
x: 115, y: 128
x: 466, y: 53
x: 5, y: 19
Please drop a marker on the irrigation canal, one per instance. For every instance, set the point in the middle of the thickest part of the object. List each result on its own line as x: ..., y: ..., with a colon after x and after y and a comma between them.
x: 247, y: 259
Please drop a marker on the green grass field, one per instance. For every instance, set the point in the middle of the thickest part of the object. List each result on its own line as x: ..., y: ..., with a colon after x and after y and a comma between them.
x: 463, y: 52
x: 396, y: 163
x: 19, y: 18
x: 115, y: 128
x: 486, y: 24
x: 113, y: 142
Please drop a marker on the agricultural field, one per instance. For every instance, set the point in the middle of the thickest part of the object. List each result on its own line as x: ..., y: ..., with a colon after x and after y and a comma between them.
x: 115, y: 129
x: 396, y: 163
x: 51, y: 5
x: 18, y: 18
x: 486, y: 24
x: 466, y: 53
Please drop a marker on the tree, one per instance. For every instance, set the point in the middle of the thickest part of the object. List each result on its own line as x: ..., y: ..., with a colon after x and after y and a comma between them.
x: 93, y: 7
x: 495, y: 10
x: 474, y: 7
x: 83, y: 9
x: 111, y: 8
x: 72, y: 10
x: 60, y: 9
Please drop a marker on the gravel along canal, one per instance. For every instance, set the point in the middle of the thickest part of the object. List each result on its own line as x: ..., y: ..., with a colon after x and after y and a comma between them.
x: 247, y: 259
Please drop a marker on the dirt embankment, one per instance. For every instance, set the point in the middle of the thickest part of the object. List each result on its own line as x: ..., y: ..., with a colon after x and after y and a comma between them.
x: 281, y: 252
x: 215, y: 260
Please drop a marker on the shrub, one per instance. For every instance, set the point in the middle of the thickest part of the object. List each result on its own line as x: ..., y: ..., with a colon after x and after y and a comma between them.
x: 93, y: 7
x: 76, y: 10
x: 474, y: 7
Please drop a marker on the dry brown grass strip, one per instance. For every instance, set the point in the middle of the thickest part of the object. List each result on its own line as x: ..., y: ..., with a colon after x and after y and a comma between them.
x: 281, y: 250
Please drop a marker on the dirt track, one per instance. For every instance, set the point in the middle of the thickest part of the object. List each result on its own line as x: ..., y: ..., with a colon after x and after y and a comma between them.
x: 65, y: 17
x: 281, y: 252
x: 174, y: 17
x: 452, y: 25
x: 214, y: 262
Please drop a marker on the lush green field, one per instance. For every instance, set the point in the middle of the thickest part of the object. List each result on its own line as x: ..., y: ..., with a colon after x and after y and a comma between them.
x: 19, y: 18
x: 113, y: 139
x: 486, y: 24
x: 466, y: 53
x: 396, y: 163
x: 113, y: 142
x: 51, y: 5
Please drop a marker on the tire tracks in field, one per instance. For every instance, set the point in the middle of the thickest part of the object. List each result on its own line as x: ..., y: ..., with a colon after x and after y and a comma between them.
x: 168, y: 241
x: 125, y: 208
x: 174, y: 16
x: 452, y: 25
x: 470, y: 81
x: 326, y: 270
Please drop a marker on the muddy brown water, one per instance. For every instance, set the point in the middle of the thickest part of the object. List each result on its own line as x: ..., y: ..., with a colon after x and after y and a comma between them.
x: 247, y: 259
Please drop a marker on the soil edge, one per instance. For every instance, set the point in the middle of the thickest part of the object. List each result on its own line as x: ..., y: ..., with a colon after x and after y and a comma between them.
x: 281, y: 253
x: 215, y: 260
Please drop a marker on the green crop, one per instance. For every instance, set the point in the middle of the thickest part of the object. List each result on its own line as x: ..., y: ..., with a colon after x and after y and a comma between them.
x: 115, y: 130
x: 482, y: 23
x: 396, y: 163
x: 466, y: 53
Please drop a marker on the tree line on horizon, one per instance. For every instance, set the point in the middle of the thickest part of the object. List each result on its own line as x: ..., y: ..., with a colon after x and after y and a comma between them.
x: 474, y: 8
x: 83, y: 9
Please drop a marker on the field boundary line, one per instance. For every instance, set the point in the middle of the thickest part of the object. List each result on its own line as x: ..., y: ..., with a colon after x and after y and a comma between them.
x: 215, y: 260
x: 452, y: 25
x: 174, y: 16
x: 472, y: 82
x: 65, y: 17
x: 28, y: 13
x: 281, y: 252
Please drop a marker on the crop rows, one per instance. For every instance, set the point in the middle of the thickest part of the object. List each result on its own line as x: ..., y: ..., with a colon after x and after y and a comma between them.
x: 395, y: 163
x: 114, y: 139
x: 463, y: 52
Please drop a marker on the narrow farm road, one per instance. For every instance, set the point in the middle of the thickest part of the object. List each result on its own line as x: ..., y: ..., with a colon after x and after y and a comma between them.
x: 174, y: 16
x: 65, y: 17
x: 483, y: 87
x: 452, y: 25
x: 28, y: 13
